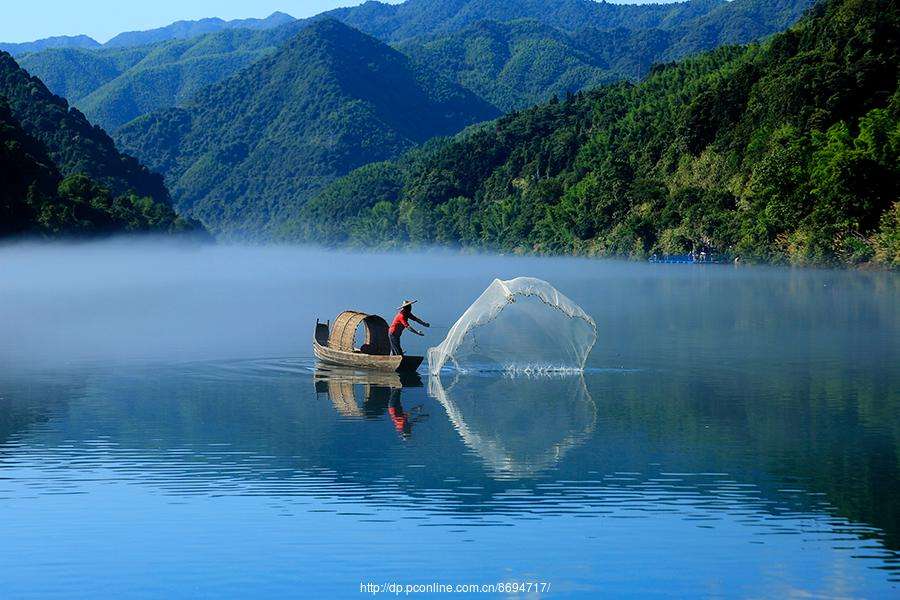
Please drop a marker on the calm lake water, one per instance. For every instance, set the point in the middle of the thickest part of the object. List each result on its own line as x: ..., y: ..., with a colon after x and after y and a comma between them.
x: 165, y: 431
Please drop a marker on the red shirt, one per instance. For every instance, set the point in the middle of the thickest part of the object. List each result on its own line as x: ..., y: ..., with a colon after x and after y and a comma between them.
x: 398, y: 324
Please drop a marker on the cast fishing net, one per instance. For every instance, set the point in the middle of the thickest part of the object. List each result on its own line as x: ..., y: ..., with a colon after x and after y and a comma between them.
x: 522, y: 324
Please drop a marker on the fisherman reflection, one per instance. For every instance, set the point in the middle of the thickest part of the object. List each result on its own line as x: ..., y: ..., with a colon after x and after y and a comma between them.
x: 403, y: 419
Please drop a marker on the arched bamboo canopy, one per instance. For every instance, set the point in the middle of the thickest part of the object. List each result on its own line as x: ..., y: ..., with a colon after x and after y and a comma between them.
x: 343, y: 333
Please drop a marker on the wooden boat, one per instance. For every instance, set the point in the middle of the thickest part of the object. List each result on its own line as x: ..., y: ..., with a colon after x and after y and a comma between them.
x: 336, y: 344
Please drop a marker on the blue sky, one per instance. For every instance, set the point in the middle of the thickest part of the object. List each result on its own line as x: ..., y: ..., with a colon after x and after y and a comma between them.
x: 102, y: 19
x: 24, y: 21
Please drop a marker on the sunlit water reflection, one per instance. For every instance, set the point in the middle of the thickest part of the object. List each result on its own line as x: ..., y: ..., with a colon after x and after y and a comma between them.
x: 736, y: 434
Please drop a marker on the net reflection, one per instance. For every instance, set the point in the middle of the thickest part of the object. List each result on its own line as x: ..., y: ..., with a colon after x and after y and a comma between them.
x: 518, y: 426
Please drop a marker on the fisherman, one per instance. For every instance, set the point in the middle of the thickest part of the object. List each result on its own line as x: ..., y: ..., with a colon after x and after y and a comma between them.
x: 401, y: 322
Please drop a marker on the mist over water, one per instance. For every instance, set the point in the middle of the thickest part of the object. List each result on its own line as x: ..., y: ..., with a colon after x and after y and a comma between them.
x: 156, y: 300
x: 164, y: 427
x: 138, y: 299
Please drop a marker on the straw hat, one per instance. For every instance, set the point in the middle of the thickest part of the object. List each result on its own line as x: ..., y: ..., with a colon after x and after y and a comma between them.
x: 406, y: 303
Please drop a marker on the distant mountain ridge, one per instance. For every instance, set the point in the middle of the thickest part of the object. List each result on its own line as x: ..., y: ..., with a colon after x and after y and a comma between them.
x: 512, y: 64
x: 245, y: 153
x: 175, y: 31
x: 414, y: 18
x: 61, y: 41
x: 188, y: 29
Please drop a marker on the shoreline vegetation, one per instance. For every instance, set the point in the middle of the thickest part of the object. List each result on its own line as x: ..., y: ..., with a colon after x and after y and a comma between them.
x: 200, y: 239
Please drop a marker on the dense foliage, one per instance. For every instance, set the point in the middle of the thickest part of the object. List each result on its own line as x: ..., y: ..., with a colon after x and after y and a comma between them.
x: 73, y: 73
x: 250, y: 150
x: 786, y: 151
x: 36, y: 200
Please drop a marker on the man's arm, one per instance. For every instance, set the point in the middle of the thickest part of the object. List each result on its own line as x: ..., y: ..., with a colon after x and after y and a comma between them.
x: 418, y: 320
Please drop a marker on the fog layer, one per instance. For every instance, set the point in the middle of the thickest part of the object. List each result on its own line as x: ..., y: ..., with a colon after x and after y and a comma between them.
x: 130, y: 299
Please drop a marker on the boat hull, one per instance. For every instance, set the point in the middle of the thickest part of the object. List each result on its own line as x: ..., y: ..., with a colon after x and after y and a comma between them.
x: 359, y: 360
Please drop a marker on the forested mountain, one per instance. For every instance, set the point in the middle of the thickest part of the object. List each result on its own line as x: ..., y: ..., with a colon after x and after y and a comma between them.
x: 189, y: 29
x: 519, y: 63
x: 73, y: 143
x: 61, y: 41
x: 246, y: 153
x: 784, y: 151
x: 512, y: 64
x: 50, y: 167
x: 113, y: 87
x: 734, y: 22
x: 73, y: 73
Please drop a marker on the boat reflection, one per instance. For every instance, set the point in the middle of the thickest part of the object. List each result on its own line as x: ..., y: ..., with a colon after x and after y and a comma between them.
x: 380, y: 394
x: 518, y: 426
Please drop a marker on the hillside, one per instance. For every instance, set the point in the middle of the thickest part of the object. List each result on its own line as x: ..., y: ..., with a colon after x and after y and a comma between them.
x: 114, y: 86
x: 512, y: 65
x: 35, y: 199
x: 784, y: 152
x: 172, y: 72
x: 735, y: 22
x: 73, y: 143
x: 73, y: 73
x: 247, y: 152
